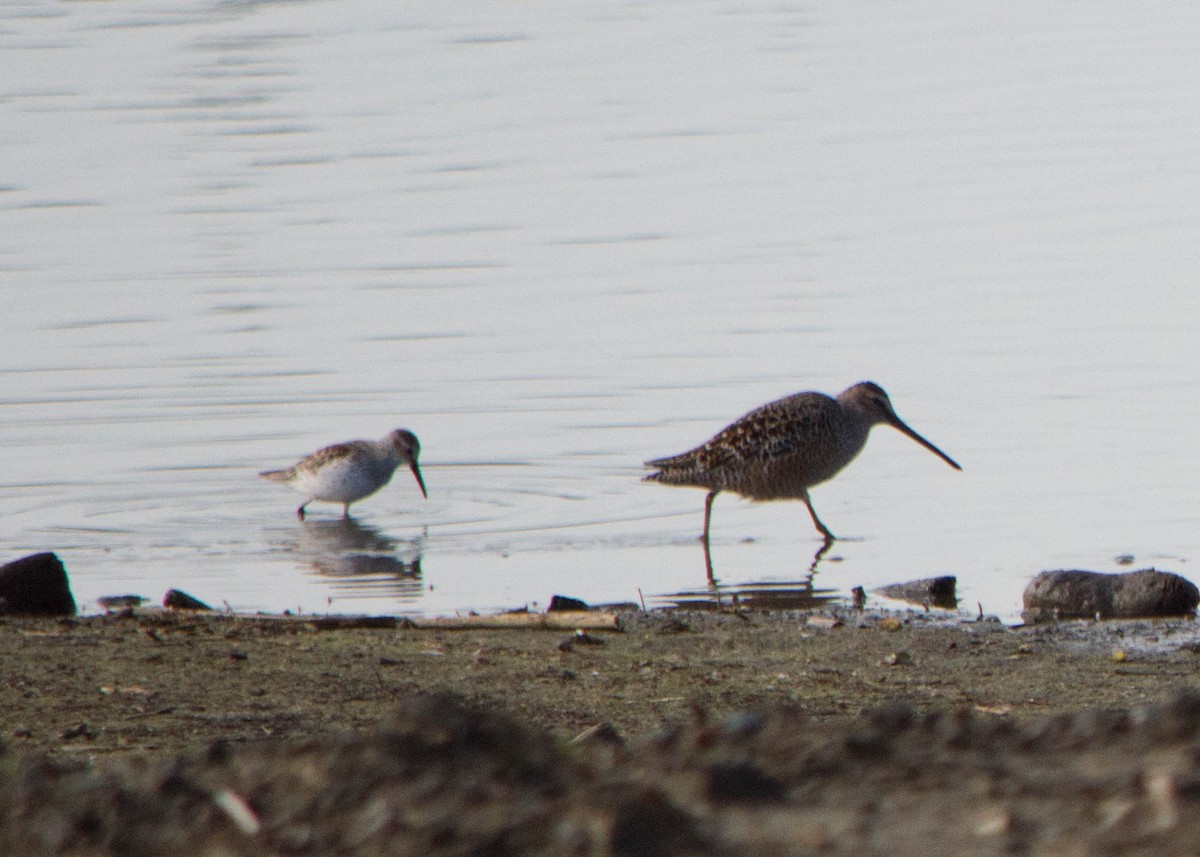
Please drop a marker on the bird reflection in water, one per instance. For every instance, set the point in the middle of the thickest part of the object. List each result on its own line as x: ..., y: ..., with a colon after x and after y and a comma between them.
x: 365, y: 561
x: 774, y: 595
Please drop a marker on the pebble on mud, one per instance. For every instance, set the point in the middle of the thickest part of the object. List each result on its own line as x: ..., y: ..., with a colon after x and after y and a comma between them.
x: 822, y: 621
x: 1085, y: 594
x: 79, y: 730
x: 586, y: 639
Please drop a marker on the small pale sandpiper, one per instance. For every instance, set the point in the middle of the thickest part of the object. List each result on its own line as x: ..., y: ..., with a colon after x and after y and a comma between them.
x: 347, y: 472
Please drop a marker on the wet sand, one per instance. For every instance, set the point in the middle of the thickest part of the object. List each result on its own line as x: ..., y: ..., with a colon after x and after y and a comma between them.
x: 742, y: 727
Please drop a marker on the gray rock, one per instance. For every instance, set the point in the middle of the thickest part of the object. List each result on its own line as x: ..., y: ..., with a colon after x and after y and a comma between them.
x: 566, y: 603
x: 36, y: 584
x: 928, y: 591
x: 177, y: 599
x: 1074, y: 594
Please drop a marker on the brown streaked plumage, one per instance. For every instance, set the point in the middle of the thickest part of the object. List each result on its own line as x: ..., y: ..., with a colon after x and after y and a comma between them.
x: 780, y: 450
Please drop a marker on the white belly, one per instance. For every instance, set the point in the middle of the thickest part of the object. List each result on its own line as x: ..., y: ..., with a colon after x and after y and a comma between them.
x: 342, y: 481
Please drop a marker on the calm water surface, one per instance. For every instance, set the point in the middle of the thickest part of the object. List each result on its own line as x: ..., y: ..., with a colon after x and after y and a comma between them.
x: 555, y: 240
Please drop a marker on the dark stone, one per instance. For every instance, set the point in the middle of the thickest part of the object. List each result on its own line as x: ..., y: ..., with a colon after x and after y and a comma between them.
x: 564, y: 603
x: 80, y: 730
x: 892, y: 718
x: 928, y: 591
x: 602, y: 734
x: 743, y: 724
x: 1090, y: 594
x: 177, y: 599
x: 36, y: 584
x: 647, y: 824
x: 743, y: 782
x: 671, y: 625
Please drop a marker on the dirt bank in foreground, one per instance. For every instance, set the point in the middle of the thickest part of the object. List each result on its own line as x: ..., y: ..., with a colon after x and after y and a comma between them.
x: 788, y: 734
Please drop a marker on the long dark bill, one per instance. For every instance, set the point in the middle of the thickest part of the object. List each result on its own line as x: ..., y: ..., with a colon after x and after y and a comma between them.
x: 412, y: 465
x: 899, y: 425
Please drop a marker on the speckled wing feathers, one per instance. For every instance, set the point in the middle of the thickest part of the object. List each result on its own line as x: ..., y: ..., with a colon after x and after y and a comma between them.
x: 744, y: 451
x: 315, y: 461
x: 349, y: 449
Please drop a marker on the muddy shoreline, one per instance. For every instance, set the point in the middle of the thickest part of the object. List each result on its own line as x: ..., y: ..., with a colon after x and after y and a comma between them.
x: 154, y: 683
x: 104, y: 696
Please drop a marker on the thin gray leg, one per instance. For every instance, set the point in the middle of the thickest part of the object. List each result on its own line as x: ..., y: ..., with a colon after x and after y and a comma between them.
x: 708, y: 503
x: 829, y: 537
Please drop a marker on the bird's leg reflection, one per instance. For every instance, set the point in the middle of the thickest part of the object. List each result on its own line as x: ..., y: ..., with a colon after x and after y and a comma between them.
x: 803, y: 588
x: 711, y: 579
x: 769, y: 594
x: 817, y: 557
x: 708, y: 569
x: 347, y: 548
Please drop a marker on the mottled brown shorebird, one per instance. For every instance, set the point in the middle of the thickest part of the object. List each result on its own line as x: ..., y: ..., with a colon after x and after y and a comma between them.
x: 780, y: 450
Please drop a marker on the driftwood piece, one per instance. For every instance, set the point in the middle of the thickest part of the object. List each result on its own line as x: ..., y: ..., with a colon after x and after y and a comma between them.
x: 587, y: 620
x: 559, y: 620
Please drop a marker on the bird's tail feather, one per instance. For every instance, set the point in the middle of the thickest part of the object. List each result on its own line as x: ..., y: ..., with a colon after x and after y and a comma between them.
x: 676, y: 476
